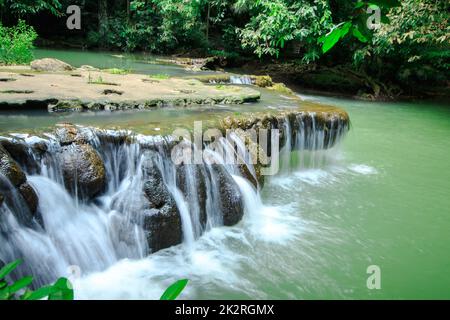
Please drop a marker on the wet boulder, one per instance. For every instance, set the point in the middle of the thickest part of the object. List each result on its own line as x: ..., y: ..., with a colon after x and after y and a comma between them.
x: 30, y: 196
x: 248, y: 175
x: 191, y: 180
x: 15, y: 190
x: 11, y: 169
x: 21, y: 153
x: 2, y: 198
x: 67, y: 134
x: 162, y: 220
x: 163, y: 227
x: 83, y: 170
x: 231, y: 201
x: 50, y: 65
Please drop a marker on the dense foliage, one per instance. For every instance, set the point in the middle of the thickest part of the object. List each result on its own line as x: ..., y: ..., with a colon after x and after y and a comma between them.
x: 410, y: 44
x: 16, y: 43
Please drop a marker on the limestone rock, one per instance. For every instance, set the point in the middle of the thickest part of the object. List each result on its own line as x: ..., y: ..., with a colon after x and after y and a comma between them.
x: 51, y: 65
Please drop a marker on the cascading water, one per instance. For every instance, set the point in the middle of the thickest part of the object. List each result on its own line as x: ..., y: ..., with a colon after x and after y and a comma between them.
x: 94, y: 234
x: 241, y: 80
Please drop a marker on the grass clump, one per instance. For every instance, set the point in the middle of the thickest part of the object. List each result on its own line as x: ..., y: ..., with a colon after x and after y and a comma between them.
x: 118, y: 71
x: 99, y: 80
x: 159, y: 76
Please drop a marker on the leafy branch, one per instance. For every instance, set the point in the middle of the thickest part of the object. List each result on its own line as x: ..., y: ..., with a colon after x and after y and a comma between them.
x: 357, y: 25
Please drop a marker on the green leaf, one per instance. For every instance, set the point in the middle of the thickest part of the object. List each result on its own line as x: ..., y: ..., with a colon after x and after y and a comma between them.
x: 38, y: 294
x: 334, y: 36
x: 61, y: 290
x: 20, y: 284
x: 357, y: 34
x: 174, y: 290
x: 9, y: 268
x: 359, y: 5
x: 4, y: 294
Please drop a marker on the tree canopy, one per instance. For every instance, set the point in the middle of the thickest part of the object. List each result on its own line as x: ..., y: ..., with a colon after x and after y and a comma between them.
x: 411, y: 41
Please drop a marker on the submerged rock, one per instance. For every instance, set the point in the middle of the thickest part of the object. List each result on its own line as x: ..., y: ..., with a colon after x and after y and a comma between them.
x: 51, y: 65
x: 83, y: 170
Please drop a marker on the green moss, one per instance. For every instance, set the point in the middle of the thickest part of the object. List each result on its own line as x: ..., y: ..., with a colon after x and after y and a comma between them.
x: 263, y: 81
x: 281, y: 88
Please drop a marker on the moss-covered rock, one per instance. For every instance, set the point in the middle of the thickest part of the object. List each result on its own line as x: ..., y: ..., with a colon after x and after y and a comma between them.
x: 21, y: 153
x: 332, y: 121
x: 10, y: 169
x: 67, y: 133
x: 263, y: 81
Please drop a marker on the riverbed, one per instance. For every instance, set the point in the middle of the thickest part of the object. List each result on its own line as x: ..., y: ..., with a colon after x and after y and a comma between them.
x: 379, y: 198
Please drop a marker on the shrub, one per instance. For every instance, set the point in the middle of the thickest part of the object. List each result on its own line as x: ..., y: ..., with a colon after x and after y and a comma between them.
x: 16, y: 44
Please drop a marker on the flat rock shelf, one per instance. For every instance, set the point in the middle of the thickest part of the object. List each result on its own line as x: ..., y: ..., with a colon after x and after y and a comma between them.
x: 82, y: 89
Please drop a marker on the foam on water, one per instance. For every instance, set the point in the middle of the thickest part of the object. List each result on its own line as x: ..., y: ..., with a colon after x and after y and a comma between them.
x: 362, y: 169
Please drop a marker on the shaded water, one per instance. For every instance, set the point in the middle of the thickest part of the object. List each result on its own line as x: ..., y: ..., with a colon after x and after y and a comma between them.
x: 381, y: 198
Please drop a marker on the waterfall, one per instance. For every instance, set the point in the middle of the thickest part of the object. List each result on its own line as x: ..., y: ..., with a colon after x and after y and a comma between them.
x: 241, y: 80
x: 144, y: 197
x: 308, y: 140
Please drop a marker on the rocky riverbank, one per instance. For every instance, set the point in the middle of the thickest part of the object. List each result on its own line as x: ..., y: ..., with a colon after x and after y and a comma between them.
x: 53, y: 85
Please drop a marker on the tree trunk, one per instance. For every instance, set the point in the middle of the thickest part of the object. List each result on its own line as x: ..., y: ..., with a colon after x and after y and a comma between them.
x: 102, y: 21
x: 128, y: 10
x: 208, y: 16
